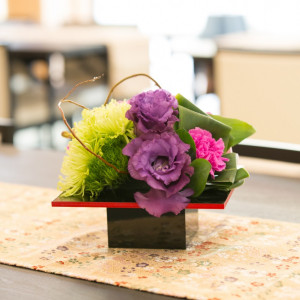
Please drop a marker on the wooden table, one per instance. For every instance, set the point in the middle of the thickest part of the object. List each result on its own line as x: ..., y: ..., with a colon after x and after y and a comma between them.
x: 264, y: 196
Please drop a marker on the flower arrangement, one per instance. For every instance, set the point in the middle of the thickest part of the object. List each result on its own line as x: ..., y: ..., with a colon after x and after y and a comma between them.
x: 161, y: 148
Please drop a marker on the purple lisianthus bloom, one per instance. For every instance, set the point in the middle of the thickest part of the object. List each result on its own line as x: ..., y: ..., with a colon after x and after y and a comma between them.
x: 160, y: 160
x: 153, y: 111
x: 156, y: 203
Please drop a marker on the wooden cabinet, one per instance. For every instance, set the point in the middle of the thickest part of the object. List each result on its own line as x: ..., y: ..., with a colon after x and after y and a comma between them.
x: 262, y: 88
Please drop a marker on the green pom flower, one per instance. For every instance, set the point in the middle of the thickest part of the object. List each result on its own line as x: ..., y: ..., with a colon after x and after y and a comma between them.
x: 105, y: 130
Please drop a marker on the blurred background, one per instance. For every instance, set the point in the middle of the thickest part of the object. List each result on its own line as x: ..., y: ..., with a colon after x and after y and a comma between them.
x: 237, y: 58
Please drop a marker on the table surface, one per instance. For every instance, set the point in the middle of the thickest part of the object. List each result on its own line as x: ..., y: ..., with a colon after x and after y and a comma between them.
x: 264, y: 196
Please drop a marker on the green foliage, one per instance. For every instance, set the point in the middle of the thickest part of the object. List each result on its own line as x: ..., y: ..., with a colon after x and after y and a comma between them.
x: 186, y: 138
x: 100, y: 174
x: 229, y: 178
x: 239, y: 129
x: 189, y: 105
x: 198, y: 180
x: 190, y: 119
x: 232, y: 131
x: 105, y: 131
x: 191, y: 116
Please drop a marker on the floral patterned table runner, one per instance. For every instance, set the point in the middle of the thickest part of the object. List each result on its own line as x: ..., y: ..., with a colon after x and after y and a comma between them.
x: 231, y: 257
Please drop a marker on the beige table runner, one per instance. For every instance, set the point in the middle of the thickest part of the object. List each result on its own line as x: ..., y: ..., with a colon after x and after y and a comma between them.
x: 231, y: 258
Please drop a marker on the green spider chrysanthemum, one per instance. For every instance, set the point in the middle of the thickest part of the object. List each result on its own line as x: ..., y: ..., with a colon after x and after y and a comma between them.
x: 105, y: 130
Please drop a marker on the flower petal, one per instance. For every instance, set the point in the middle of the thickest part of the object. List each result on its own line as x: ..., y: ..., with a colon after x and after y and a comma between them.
x: 156, y: 202
x: 210, y: 149
x: 153, y: 111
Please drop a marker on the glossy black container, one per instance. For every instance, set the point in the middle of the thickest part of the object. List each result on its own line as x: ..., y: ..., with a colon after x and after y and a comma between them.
x: 135, y: 228
x: 131, y: 227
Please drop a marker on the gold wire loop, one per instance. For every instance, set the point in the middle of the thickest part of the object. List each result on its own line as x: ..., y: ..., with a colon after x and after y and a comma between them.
x: 129, y: 77
x: 64, y: 100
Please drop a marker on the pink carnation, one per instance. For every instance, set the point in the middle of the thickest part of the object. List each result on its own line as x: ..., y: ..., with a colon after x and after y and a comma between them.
x: 210, y: 149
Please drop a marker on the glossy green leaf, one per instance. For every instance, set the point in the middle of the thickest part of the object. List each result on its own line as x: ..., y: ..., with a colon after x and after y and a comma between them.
x: 240, y: 129
x: 199, y: 178
x: 236, y: 184
x: 190, y: 119
x: 188, y: 104
x: 176, y: 126
x: 225, y: 187
x: 227, y: 175
x: 232, y: 163
x: 186, y: 138
x: 219, y: 187
x: 241, y: 174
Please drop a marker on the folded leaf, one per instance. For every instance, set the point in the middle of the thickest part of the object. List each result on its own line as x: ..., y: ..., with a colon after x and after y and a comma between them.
x: 199, y: 178
x: 219, y: 187
x: 240, y: 129
x: 227, y: 175
x: 189, y: 105
x: 241, y: 174
x: 239, y: 179
x: 186, y: 138
x: 190, y: 119
x: 237, y: 184
x: 232, y: 163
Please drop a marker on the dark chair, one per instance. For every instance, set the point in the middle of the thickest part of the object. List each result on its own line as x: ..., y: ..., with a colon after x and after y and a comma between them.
x: 6, y: 131
x: 258, y: 151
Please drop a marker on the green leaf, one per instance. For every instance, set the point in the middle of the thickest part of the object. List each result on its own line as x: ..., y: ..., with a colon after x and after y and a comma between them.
x: 199, y: 178
x: 188, y: 104
x: 176, y: 126
x: 225, y: 187
x: 236, y: 184
x: 232, y: 160
x: 186, y: 138
x: 241, y: 174
x: 225, y: 179
x: 218, y: 187
x: 227, y: 175
x: 240, y: 129
x: 190, y: 119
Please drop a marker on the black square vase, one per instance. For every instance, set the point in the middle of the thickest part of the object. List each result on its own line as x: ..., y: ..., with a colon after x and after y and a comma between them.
x: 135, y: 228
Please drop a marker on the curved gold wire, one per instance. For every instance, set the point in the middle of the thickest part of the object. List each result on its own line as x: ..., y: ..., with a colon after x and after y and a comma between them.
x: 64, y: 100
x: 126, y: 78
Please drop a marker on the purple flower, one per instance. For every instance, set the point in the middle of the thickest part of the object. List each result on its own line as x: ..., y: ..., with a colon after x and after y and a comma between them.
x: 157, y: 203
x: 160, y: 160
x: 153, y: 111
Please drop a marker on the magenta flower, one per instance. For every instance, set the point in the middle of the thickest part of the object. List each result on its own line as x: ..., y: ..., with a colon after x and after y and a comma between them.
x: 153, y: 111
x: 157, y: 203
x: 210, y: 149
x: 160, y: 160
